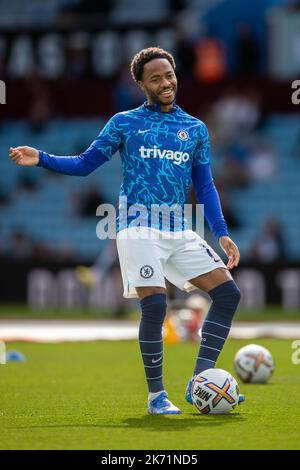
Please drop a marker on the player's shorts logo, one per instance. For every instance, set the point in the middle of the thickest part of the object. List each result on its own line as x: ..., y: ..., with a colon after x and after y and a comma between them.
x: 183, y: 135
x: 211, y: 253
x: 146, y: 271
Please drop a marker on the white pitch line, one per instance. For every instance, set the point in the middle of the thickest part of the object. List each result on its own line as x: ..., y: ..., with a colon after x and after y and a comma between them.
x: 53, y: 331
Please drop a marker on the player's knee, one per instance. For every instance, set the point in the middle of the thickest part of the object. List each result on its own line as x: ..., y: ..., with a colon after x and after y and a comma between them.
x: 236, y: 294
x: 226, y: 298
x: 154, y: 307
x: 144, y: 292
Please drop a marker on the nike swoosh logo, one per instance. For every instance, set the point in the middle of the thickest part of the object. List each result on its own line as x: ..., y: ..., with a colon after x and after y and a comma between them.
x: 142, y: 132
x: 156, y: 360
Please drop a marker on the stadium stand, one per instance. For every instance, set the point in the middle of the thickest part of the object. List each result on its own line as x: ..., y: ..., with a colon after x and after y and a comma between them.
x: 47, y: 213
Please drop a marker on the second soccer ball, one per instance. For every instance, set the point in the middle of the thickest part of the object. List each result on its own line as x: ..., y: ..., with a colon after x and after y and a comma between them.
x: 253, y: 363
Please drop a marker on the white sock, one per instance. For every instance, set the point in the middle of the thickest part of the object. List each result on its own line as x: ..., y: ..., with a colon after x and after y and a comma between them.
x: 152, y: 396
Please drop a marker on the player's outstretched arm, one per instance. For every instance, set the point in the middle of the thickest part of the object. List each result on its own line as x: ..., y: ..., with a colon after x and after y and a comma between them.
x: 100, y: 151
x: 24, y: 156
x: 78, y: 165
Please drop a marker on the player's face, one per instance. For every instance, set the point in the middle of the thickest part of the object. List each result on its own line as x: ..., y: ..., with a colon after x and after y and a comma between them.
x: 159, y: 82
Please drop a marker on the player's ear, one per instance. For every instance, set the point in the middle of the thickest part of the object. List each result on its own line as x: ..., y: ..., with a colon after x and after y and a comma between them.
x: 141, y: 85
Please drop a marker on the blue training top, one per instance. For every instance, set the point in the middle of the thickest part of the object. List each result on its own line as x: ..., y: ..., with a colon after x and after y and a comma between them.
x: 161, y: 153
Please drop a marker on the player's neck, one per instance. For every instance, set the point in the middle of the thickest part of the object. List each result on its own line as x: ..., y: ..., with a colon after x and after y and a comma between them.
x: 164, y: 108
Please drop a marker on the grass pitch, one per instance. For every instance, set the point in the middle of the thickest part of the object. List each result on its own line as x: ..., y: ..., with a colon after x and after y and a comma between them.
x: 93, y: 396
x: 271, y: 313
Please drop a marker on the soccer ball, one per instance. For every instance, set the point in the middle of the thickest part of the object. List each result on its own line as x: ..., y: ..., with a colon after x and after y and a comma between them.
x: 254, y: 364
x: 215, y: 391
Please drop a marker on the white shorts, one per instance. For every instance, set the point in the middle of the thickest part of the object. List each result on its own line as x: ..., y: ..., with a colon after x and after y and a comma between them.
x: 148, y: 256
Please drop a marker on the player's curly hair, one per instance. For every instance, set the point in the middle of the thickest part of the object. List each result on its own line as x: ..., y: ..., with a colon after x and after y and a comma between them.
x: 144, y: 56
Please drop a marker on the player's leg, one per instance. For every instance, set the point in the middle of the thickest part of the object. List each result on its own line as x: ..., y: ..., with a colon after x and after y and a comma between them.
x: 195, y: 264
x: 141, y: 262
x: 153, y: 311
x: 147, y: 291
x: 225, y: 297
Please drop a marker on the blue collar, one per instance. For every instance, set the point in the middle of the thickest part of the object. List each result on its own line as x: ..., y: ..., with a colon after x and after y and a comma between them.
x: 156, y: 108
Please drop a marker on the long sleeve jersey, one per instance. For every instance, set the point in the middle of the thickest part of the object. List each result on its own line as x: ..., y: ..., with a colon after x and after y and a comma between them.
x: 161, y: 154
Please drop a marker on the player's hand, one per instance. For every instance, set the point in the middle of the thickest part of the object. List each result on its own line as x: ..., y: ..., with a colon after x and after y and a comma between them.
x: 231, y: 251
x: 24, y: 156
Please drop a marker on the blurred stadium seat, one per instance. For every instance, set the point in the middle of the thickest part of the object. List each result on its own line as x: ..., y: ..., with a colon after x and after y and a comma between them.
x: 47, y: 213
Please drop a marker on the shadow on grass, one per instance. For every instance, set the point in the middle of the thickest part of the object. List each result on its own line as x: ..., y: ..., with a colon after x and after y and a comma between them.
x: 155, y: 423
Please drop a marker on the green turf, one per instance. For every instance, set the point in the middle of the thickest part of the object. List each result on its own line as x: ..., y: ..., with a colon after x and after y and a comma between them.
x: 273, y: 313
x: 93, y: 396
